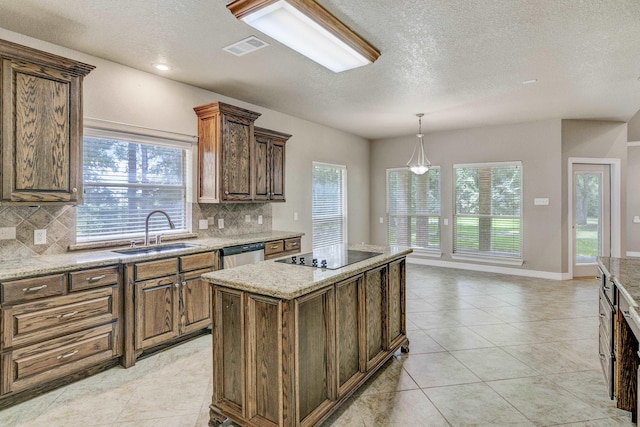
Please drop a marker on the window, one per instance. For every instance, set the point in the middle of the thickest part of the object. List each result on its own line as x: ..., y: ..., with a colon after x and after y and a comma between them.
x: 413, y: 208
x: 125, y: 178
x: 488, y: 214
x: 329, y: 205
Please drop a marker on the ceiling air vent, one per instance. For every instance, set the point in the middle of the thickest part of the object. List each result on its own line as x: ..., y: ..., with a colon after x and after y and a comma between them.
x: 245, y: 46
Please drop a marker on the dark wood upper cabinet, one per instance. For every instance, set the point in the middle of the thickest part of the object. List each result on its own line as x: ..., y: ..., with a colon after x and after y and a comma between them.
x: 225, y: 153
x: 41, y: 126
x: 238, y: 162
x: 269, y: 166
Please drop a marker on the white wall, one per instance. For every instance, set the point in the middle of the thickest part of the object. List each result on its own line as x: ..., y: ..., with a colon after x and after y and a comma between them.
x: 117, y: 93
x: 536, y: 144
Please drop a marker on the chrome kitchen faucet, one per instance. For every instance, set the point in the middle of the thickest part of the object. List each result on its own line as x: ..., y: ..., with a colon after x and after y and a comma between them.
x: 146, y: 226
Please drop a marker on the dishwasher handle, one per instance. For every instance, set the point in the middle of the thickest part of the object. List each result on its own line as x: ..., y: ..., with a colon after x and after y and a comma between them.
x: 239, y: 249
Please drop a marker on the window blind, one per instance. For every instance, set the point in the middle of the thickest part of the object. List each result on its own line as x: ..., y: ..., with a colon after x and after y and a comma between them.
x: 329, y: 205
x: 413, y: 208
x: 488, y: 214
x: 123, y: 182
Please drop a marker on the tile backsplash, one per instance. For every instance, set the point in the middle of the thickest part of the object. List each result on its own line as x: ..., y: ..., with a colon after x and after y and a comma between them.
x: 60, y: 221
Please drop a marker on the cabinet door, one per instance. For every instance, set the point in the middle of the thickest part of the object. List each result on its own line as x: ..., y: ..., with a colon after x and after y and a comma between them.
x: 349, y: 295
x: 277, y: 170
x: 264, y: 371
x: 156, y: 311
x: 396, y: 328
x: 315, y: 358
x: 41, y: 122
x: 374, y: 316
x: 262, y: 168
x: 195, y: 302
x: 237, y: 158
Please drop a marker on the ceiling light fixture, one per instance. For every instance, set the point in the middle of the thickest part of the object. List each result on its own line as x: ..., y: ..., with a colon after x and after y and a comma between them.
x: 529, y: 82
x: 419, y: 163
x: 161, y: 67
x: 309, y: 29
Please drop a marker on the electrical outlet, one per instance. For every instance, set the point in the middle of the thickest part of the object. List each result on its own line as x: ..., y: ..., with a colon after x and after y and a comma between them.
x: 295, y: 216
x: 203, y: 224
x: 7, y: 233
x: 260, y: 219
x: 247, y: 218
x: 446, y: 221
x: 220, y: 222
x: 39, y: 237
x: 381, y: 219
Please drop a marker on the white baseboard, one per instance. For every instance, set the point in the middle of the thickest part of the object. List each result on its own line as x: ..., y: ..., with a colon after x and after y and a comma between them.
x: 633, y: 254
x: 489, y: 268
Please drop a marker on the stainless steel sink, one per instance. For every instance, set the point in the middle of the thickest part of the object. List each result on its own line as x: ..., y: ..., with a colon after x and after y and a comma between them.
x: 155, y: 249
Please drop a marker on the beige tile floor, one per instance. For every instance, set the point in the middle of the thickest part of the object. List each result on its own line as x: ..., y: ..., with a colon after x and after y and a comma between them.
x: 486, y: 349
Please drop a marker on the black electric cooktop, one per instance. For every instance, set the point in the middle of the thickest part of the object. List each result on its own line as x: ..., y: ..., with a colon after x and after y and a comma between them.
x: 331, y: 259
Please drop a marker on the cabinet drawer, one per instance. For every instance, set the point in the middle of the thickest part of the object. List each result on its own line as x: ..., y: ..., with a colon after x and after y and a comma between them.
x: 42, y: 362
x: 274, y: 247
x: 196, y: 261
x: 153, y: 269
x: 34, y: 288
x: 42, y: 320
x: 292, y: 244
x: 94, y: 278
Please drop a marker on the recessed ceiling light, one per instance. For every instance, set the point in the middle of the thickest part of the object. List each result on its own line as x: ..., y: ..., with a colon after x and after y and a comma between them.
x: 529, y: 82
x: 161, y: 67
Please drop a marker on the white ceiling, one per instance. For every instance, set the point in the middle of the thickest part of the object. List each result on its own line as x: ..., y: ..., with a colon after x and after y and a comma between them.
x: 461, y: 62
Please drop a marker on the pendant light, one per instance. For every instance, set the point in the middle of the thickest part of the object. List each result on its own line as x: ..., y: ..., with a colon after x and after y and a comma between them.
x: 418, y: 163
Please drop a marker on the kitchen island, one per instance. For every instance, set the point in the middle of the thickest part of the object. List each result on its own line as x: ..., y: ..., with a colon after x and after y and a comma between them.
x: 619, y: 329
x: 293, y: 342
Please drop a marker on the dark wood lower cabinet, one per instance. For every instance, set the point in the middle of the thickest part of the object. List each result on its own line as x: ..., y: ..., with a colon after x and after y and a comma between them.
x: 281, y: 362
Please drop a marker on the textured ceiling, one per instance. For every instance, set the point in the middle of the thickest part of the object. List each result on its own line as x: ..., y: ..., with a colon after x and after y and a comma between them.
x: 461, y: 62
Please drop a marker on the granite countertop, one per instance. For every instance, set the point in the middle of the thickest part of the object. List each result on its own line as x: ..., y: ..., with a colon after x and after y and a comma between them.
x: 286, y: 281
x: 625, y: 273
x: 48, y: 264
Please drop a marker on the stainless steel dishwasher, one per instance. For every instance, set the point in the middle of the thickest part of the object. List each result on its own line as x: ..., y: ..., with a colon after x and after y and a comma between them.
x: 233, y: 256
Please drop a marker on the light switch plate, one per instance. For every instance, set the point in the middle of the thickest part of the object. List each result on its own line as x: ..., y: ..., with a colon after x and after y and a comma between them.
x: 220, y: 222
x: 541, y: 201
x: 446, y: 221
x: 39, y: 237
x: 203, y: 224
x: 381, y: 219
x: 260, y: 219
x: 295, y: 216
x: 247, y: 218
x: 7, y: 233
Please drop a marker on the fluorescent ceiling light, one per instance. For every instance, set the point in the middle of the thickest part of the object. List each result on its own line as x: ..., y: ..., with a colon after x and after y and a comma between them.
x: 309, y: 29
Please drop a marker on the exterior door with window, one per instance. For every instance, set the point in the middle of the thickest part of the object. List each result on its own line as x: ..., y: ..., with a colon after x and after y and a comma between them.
x: 591, y: 217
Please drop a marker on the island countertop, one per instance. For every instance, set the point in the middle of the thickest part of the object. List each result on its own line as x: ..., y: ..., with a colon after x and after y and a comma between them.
x: 625, y: 273
x: 286, y: 281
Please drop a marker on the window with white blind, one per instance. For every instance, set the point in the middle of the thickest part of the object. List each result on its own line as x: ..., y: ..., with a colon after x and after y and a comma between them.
x: 413, y: 208
x: 125, y: 178
x: 329, y: 205
x: 488, y: 210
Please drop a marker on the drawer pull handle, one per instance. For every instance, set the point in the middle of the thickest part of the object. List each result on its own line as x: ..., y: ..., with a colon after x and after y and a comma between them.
x: 96, y: 278
x: 626, y: 314
x: 602, y: 315
x: 274, y: 246
x: 64, y: 316
x: 606, y: 288
x: 64, y: 356
x: 293, y: 244
x: 602, y: 356
x: 35, y: 288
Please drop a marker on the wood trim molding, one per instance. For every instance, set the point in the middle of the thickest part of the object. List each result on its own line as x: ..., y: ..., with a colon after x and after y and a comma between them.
x: 16, y: 51
x: 242, y: 8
